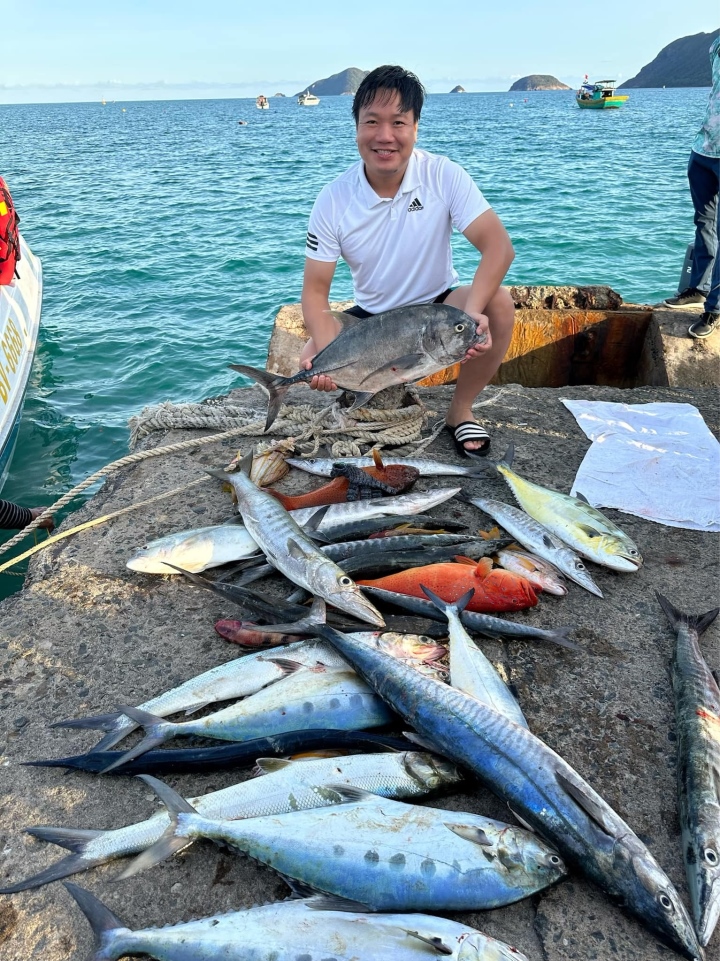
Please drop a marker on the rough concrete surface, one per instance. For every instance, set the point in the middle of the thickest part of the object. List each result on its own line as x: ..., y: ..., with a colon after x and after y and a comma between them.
x: 86, y: 635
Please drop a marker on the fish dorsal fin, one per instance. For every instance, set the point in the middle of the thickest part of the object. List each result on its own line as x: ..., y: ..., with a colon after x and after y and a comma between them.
x: 437, y: 944
x: 583, y: 498
x: 269, y: 765
x: 301, y: 890
x: 468, y: 561
x: 377, y: 459
x: 347, y: 320
x: 484, y: 566
x: 470, y: 832
x: 332, y: 902
x: 586, y: 802
x: 589, y: 531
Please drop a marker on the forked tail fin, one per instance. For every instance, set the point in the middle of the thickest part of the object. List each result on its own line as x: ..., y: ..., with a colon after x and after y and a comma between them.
x: 698, y: 622
x: 102, y: 921
x: 275, y: 385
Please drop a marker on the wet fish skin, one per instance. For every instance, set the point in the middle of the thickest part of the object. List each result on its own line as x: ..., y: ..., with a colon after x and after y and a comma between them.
x: 385, y: 854
x: 313, y: 928
x: 541, y: 574
x: 393, y: 561
x: 286, y: 786
x: 291, y: 551
x: 537, y: 784
x: 537, y: 538
x: 697, y: 711
x: 322, y: 466
x: 400, y: 346
x: 416, y: 502
x: 195, y: 550
x: 573, y: 520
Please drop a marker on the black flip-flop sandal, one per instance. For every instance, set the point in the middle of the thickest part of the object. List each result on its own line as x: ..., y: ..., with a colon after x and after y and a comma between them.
x: 465, y: 431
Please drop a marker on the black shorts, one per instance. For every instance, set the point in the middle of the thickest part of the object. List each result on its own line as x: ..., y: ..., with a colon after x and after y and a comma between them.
x: 360, y: 312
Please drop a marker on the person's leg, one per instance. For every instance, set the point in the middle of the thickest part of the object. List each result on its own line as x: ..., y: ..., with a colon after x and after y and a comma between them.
x: 703, y: 181
x: 477, y: 373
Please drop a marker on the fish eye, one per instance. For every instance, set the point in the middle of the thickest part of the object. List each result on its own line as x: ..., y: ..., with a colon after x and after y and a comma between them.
x: 632, y: 553
x: 345, y: 581
x: 459, y: 328
x: 579, y: 566
x: 666, y: 902
x: 554, y: 859
x: 710, y: 856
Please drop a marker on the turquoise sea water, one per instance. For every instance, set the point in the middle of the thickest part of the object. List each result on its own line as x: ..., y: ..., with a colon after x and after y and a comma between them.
x: 170, y: 235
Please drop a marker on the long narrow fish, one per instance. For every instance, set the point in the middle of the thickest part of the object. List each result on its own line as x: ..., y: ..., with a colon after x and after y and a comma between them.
x: 537, y: 784
x: 573, y: 520
x: 308, y: 698
x: 313, y: 928
x: 233, y: 680
x: 385, y: 854
x: 286, y: 786
x: 533, y: 535
x: 697, y: 713
x: 400, y: 346
x: 322, y: 466
x: 470, y: 670
x: 482, y: 623
x: 291, y: 551
x: 416, y: 502
x: 396, y: 522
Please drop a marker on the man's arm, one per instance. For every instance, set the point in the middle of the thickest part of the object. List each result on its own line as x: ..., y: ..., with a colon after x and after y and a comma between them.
x: 487, y: 234
x: 320, y: 324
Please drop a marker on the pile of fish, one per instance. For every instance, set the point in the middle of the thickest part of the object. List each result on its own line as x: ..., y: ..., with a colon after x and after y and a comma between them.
x: 363, y: 861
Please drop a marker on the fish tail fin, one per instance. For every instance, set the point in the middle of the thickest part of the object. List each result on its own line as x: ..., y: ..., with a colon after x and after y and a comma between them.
x: 99, y: 722
x: 509, y: 456
x: 175, y: 837
x: 698, y: 622
x: 560, y: 636
x: 275, y: 385
x: 75, y: 840
x: 458, y: 606
x: 102, y: 921
x: 157, y: 731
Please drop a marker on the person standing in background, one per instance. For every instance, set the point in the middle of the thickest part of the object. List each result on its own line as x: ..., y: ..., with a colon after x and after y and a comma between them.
x: 704, y: 179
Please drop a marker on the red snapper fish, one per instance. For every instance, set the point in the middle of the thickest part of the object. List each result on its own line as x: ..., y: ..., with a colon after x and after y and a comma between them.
x: 495, y: 589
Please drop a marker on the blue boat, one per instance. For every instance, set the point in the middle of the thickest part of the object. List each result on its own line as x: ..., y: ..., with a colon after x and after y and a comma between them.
x: 20, y: 304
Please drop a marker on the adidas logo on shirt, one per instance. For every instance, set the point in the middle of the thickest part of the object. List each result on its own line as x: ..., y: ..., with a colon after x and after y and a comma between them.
x: 312, y: 241
x: 415, y: 205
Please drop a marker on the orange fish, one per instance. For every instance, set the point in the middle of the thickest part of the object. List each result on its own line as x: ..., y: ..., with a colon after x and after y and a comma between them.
x: 495, y: 590
x: 393, y: 479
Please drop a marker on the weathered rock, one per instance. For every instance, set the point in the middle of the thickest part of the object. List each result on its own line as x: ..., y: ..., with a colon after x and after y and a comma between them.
x: 458, y: 89
x: 539, y: 81
x: 682, y: 63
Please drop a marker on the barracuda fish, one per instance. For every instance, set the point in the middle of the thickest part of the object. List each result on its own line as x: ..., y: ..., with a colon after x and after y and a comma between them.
x: 539, y: 572
x: 311, y: 698
x: 537, y: 538
x: 573, y: 520
x: 399, y: 524
x: 400, y: 346
x: 286, y: 786
x: 236, y: 679
x: 538, y: 785
x: 322, y: 466
x: 314, y: 929
x: 195, y: 550
x: 387, y: 855
x: 470, y: 670
x: 482, y: 623
x: 291, y: 551
x: 697, y: 712
x: 336, y: 515
x: 390, y: 562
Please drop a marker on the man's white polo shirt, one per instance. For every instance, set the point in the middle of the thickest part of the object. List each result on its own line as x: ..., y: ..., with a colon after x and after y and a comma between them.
x: 398, y: 249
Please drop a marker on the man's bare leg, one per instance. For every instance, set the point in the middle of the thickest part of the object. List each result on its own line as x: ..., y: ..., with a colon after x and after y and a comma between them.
x: 477, y: 373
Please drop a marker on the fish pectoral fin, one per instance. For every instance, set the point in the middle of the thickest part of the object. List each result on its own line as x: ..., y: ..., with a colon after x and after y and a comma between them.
x: 269, y: 765
x: 547, y: 540
x: 470, y: 832
x: 437, y: 944
x: 583, y: 498
x: 407, y: 362
x: 589, y: 531
x: 286, y: 664
x: 333, y: 902
x: 361, y: 398
x: 589, y: 805
x: 296, y: 550
x: 419, y: 740
x: 348, y: 793
x: 521, y: 821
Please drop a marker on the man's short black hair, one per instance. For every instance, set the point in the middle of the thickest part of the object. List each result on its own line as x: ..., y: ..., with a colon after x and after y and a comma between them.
x: 390, y: 79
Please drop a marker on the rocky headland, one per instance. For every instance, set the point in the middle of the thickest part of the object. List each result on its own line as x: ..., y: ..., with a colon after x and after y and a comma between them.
x: 682, y: 63
x: 345, y: 82
x: 539, y: 81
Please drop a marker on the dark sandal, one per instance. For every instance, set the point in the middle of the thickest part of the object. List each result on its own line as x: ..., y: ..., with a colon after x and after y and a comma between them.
x: 468, y: 430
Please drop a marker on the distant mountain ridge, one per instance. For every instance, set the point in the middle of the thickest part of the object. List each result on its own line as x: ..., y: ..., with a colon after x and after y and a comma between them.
x: 347, y: 81
x: 682, y: 63
x: 539, y: 81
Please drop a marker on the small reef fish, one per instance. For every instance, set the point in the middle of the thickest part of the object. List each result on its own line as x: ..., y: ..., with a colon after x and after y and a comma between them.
x: 541, y: 574
x: 400, y: 346
x: 540, y: 788
x: 537, y: 538
x: 313, y: 929
x: 470, y: 670
x: 251, y: 635
x: 385, y: 854
x: 495, y: 590
x: 573, y: 520
x: 284, y: 786
x: 289, y: 549
x: 697, y: 713
x: 351, y: 484
x: 195, y: 550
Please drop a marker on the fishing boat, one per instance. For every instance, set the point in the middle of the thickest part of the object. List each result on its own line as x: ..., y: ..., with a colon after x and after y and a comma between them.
x: 262, y: 102
x: 20, y: 302
x: 308, y: 99
x: 597, y: 96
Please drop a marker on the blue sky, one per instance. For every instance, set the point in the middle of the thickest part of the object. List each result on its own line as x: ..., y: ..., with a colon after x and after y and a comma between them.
x: 68, y: 50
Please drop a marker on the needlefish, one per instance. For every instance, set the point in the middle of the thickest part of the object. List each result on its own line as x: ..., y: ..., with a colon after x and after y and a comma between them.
x: 697, y: 713
x: 322, y: 466
x: 541, y: 789
x: 285, y: 786
x: 400, y: 346
x: 385, y: 854
x: 289, y: 549
x: 315, y: 929
x: 572, y: 519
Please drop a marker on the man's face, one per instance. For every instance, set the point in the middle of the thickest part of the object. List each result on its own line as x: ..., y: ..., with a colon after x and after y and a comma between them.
x: 385, y: 137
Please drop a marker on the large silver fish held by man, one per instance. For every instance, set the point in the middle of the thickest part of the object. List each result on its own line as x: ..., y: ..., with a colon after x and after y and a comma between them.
x: 399, y: 346
x: 540, y: 787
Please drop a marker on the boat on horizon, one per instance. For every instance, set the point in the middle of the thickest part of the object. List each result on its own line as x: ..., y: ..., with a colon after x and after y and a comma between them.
x: 308, y: 99
x: 599, y: 95
x: 262, y: 102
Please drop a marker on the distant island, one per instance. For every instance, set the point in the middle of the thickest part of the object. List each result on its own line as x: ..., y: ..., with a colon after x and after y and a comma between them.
x: 539, y: 81
x: 683, y: 63
x: 278, y: 95
x: 347, y: 81
x: 458, y: 89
